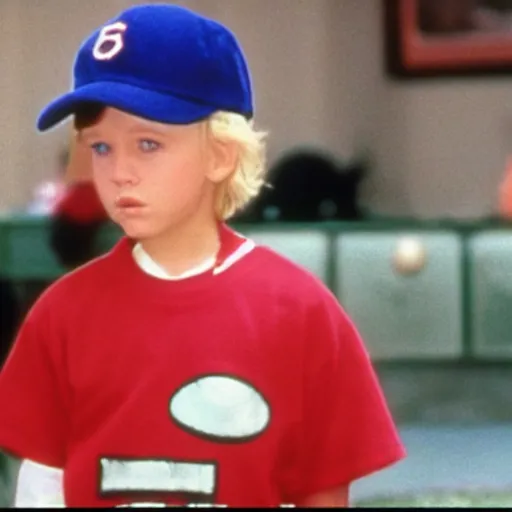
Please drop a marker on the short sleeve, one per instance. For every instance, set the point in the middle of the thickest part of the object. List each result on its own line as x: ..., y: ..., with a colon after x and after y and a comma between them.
x: 33, y: 421
x: 348, y: 431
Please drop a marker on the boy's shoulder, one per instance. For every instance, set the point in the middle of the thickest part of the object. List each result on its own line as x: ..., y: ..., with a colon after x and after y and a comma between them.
x: 301, y: 297
x: 287, y: 278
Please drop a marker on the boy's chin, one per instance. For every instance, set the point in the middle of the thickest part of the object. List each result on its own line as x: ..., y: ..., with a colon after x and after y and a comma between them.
x: 142, y: 231
x: 137, y: 232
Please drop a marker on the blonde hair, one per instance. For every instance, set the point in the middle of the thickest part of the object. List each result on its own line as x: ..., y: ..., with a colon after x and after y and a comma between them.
x: 248, y: 177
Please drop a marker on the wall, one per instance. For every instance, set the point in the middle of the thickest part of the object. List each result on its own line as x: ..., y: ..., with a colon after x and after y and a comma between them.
x: 438, y: 147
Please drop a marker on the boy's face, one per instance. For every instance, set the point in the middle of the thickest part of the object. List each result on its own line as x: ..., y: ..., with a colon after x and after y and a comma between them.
x: 151, y: 176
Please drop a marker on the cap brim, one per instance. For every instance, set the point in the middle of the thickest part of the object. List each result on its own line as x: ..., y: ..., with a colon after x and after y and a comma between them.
x: 128, y: 98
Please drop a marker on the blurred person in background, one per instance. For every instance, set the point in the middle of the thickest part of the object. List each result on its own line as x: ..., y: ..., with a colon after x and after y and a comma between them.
x: 78, y: 215
x: 74, y: 211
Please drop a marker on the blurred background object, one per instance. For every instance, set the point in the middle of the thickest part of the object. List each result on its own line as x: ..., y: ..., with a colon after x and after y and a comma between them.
x: 309, y: 185
x: 410, y: 255
x: 47, y: 193
x: 10, y: 316
x: 505, y: 193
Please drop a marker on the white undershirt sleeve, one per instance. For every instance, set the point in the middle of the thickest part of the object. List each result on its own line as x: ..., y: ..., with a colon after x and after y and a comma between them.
x: 39, y: 486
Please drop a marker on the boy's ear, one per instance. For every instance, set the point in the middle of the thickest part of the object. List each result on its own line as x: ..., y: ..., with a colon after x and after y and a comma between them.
x: 224, y: 155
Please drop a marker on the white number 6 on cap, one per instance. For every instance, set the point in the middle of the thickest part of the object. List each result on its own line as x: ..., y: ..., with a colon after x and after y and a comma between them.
x: 110, y: 41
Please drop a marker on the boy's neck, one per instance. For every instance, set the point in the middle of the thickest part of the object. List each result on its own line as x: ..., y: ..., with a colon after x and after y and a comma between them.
x: 184, y: 247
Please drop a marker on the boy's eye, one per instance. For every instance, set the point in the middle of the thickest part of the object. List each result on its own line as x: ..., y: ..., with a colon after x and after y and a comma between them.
x: 100, y: 148
x: 148, y: 145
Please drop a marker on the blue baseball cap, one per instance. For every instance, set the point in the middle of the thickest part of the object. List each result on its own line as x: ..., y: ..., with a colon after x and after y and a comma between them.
x: 160, y: 62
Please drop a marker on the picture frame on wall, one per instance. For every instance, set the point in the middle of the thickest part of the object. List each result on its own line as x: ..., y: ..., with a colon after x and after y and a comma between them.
x: 436, y: 38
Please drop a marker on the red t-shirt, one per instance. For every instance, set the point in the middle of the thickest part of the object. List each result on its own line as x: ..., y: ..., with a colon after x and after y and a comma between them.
x: 247, y: 387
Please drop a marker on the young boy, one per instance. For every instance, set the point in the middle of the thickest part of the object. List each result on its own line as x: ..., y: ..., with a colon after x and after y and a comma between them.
x: 187, y: 365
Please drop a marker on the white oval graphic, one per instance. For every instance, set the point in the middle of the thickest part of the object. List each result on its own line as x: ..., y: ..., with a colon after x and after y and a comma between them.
x: 220, y: 407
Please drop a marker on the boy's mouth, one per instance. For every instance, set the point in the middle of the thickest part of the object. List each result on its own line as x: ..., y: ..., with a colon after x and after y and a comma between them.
x: 128, y: 202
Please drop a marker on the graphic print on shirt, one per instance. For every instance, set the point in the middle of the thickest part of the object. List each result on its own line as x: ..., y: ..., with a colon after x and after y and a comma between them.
x: 217, y: 407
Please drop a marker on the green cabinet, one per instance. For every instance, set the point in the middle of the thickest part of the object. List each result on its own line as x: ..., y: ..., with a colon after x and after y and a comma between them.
x: 490, y: 293
x: 26, y: 254
x: 416, y: 315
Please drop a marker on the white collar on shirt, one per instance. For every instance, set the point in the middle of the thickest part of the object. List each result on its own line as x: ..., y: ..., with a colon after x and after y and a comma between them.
x: 151, y: 267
